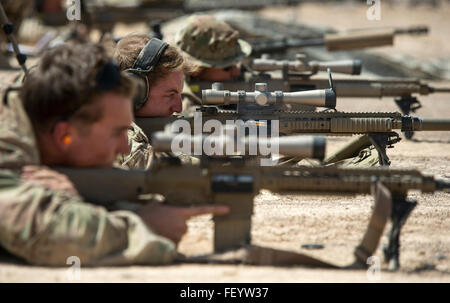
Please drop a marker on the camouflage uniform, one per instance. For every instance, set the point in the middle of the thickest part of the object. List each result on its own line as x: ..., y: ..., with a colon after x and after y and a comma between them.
x: 365, y: 158
x: 45, y: 226
x: 207, y: 42
x: 141, y: 154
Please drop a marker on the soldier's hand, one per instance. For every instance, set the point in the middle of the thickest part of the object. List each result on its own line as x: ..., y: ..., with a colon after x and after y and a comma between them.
x: 170, y: 221
x: 48, y: 178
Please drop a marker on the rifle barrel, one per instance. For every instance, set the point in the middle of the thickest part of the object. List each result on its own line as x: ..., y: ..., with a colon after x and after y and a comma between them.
x: 443, y: 185
x: 440, y: 89
x: 436, y: 124
x: 413, y: 30
x: 283, y: 44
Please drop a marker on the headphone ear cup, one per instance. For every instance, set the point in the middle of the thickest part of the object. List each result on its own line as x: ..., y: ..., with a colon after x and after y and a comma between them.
x: 141, y: 94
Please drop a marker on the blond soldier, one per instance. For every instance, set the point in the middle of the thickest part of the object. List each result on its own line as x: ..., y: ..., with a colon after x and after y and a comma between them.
x: 76, y: 112
x: 160, y: 69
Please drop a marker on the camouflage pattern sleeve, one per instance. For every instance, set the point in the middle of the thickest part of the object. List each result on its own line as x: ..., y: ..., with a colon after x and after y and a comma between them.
x: 141, y: 154
x: 367, y: 157
x: 17, y: 142
x: 45, y: 227
x: 208, y: 42
x: 44, y: 224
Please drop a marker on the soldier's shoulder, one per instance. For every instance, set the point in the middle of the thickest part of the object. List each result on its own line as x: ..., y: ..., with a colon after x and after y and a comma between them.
x: 17, y: 142
x: 136, y: 134
x: 8, y: 179
x: 141, y: 153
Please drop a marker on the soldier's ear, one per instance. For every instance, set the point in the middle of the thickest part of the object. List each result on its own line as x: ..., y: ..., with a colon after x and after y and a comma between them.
x: 62, y: 135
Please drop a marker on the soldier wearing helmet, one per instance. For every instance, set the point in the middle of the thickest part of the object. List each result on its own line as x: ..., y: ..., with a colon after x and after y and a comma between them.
x: 215, y: 50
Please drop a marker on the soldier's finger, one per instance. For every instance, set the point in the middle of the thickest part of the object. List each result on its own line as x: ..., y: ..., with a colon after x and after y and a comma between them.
x: 29, y: 169
x: 43, y: 173
x: 38, y: 176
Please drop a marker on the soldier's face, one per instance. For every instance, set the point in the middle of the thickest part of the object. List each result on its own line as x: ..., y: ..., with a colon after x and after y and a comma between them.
x: 165, y: 97
x: 214, y: 74
x: 98, y: 145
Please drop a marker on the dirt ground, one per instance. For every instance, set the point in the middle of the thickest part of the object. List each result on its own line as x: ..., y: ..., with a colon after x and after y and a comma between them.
x: 287, y: 222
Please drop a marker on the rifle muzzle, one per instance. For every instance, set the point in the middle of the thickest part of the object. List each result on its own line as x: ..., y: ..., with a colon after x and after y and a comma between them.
x: 413, y: 30
x: 439, y: 89
x: 442, y: 185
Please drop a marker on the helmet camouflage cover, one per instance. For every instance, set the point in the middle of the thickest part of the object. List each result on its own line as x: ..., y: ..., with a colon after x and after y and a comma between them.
x: 209, y: 42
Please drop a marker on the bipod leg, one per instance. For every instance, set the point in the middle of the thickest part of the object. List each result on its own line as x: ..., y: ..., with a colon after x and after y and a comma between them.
x: 408, y: 104
x: 380, y: 141
x: 400, y: 212
x: 8, y: 30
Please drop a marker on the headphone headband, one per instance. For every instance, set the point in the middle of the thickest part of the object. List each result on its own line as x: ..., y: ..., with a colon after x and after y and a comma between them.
x: 149, y: 55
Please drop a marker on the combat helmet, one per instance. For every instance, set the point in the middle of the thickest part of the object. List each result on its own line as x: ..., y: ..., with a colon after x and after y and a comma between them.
x: 208, y: 42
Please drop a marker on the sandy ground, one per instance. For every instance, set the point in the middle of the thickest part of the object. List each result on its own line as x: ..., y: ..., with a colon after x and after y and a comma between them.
x: 287, y: 222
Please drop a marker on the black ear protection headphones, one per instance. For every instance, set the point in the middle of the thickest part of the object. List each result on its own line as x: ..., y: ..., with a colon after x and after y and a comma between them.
x: 145, y: 62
